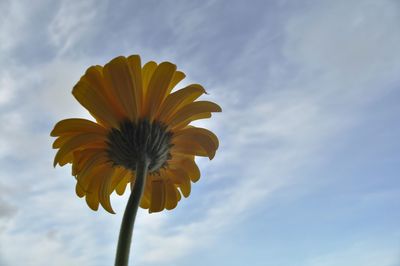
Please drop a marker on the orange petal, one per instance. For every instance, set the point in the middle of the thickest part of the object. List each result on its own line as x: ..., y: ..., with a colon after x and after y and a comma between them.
x: 80, y: 141
x: 147, y: 73
x: 90, y: 169
x: 176, y: 78
x: 171, y: 195
x: 158, y: 87
x: 188, y: 112
x: 145, y: 200
x: 135, y: 66
x: 118, y: 76
x: 181, y: 180
x: 76, y: 125
x: 120, y: 189
x: 190, y: 147
x: 205, y: 138
x: 178, y: 99
x: 95, y: 78
x: 158, y: 195
x: 118, y: 176
x: 79, y: 191
x: 105, y: 188
x: 95, y: 103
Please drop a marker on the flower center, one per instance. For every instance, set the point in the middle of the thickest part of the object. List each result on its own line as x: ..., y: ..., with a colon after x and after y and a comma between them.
x: 132, y: 141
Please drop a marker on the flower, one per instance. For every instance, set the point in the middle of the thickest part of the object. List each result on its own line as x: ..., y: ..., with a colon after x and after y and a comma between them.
x: 136, y: 114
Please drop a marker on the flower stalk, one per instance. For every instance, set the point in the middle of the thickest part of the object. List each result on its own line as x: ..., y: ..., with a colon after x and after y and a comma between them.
x: 128, y: 220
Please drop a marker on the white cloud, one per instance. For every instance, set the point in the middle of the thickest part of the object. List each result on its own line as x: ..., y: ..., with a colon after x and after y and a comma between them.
x: 359, y: 254
x: 346, y: 44
x: 339, y: 58
x: 330, y: 56
x: 71, y: 22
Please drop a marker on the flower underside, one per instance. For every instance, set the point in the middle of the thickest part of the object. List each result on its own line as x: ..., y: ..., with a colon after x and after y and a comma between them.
x: 137, y: 113
x: 141, y: 139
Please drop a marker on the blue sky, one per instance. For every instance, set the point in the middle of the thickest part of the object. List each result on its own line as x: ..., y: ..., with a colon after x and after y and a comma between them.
x: 307, y: 170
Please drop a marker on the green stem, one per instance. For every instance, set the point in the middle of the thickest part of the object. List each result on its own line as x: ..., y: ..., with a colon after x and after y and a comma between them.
x: 125, y: 234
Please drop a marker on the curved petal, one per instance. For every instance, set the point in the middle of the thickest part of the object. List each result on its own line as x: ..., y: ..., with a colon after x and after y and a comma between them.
x: 76, y: 125
x: 95, y: 78
x: 176, y: 78
x: 118, y: 76
x: 79, y: 191
x: 91, y: 168
x: 188, y: 165
x: 190, y: 147
x: 158, y: 195
x: 105, y: 188
x: 188, y: 121
x: 95, y: 104
x: 81, y: 141
x: 188, y: 112
x: 205, y: 138
x: 147, y: 72
x: 145, y: 200
x: 135, y: 66
x: 60, y: 141
x: 179, y: 177
x: 194, y: 132
x: 120, y: 188
x: 92, y: 192
x: 81, y: 157
x: 178, y: 99
x: 171, y: 195
x: 118, y: 176
x: 158, y: 87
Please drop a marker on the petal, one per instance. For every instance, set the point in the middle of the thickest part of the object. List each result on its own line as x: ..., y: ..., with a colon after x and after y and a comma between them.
x: 191, y: 147
x: 135, y: 66
x: 158, y: 88
x: 181, y: 180
x: 158, y: 195
x: 205, y: 138
x: 178, y: 99
x: 90, y: 169
x: 118, y: 76
x: 105, y: 189
x: 120, y: 189
x: 79, y: 191
x: 95, y: 78
x: 76, y: 125
x: 92, y: 197
x: 60, y: 141
x: 186, y: 113
x: 118, y: 176
x: 147, y: 73
x: 187, y: 164
x: 193, y: 118
x: 80, y: 141
x: 81, y: 157
x: 194, y: 132
x: 176, y: 78
x: 92, y: 193
x: 95, y: 104
x: 171, y: 195
x: 146, y: 197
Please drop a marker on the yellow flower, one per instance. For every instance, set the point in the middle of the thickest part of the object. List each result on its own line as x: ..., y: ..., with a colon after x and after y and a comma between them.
x: 135, y: 112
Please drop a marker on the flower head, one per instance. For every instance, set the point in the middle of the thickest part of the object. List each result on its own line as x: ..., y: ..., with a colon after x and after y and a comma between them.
x: 137, y: 115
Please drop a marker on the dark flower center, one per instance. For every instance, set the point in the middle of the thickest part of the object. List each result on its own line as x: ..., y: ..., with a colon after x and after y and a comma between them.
x: 132, y: 141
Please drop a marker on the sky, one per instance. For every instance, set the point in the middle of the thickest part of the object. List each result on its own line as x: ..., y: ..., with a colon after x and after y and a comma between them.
x: 307, y: 173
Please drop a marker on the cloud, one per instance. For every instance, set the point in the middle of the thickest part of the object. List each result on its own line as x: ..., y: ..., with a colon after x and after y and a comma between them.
x: 71, y: 22
x: 278, y: 132
x: 287, y: 88
x: 361, y: 253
